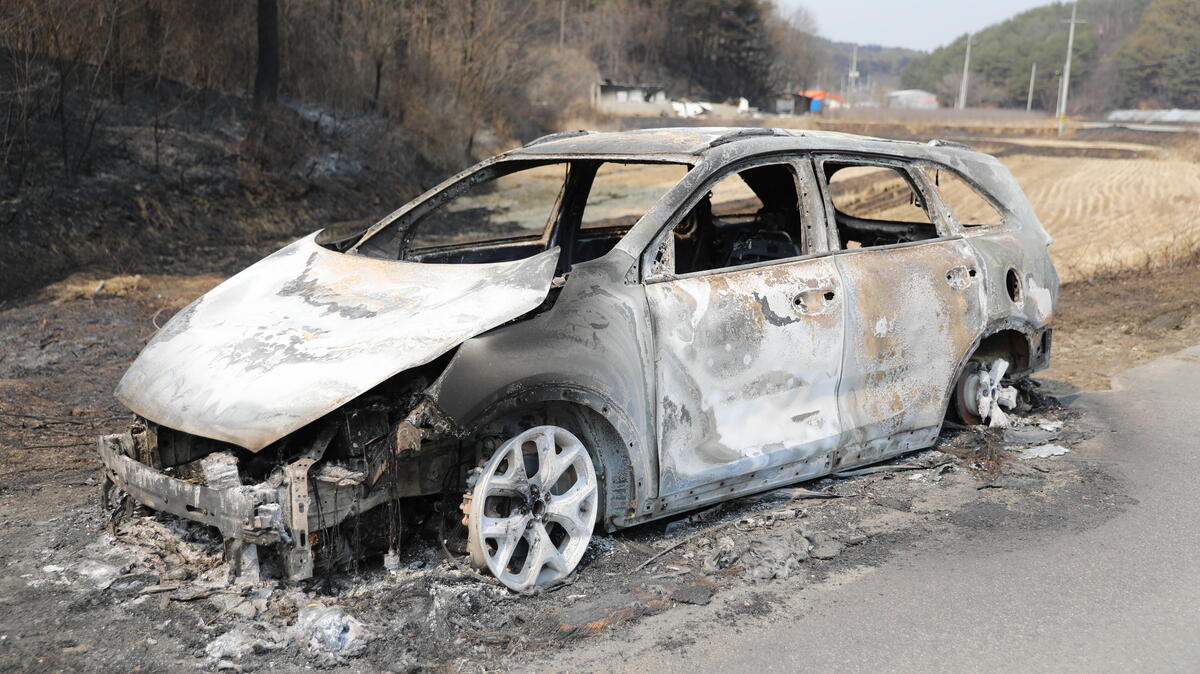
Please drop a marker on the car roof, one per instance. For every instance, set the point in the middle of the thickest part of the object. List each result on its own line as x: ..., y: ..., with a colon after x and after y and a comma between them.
x: 689, y: 143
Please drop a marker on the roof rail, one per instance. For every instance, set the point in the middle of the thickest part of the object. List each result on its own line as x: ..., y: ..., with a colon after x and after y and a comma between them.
x: 742, y: 134
x: 938, y: 142
x: 558, y: 136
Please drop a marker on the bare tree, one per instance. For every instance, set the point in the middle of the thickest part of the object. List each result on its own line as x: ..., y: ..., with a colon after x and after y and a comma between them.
x: 378, y: 27
x: 266, y: 77
x: 795, y: 49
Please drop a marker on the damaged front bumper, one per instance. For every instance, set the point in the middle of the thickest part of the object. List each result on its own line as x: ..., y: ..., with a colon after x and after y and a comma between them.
x: 305, y: 496
x: 249, y: 513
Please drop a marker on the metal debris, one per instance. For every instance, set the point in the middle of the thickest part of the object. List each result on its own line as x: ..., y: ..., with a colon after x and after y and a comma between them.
x: 994, y: 397
x: 330, y: 635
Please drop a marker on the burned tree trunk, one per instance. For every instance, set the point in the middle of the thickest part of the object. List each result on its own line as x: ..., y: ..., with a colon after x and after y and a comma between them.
x: 266, y: 77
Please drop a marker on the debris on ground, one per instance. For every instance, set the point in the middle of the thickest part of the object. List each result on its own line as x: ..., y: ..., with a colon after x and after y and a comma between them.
x: 824, y: 546
x: 1044, y: 451
x: 330, y: 635
x: 697, y: 595
x: 417, y: 607
x: 241, y: 641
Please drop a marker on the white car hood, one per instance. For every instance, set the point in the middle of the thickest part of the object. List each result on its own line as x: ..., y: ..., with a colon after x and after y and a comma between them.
x: 305, y: 330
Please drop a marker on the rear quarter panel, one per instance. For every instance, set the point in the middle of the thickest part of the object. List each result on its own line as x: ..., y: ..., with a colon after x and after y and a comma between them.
x: 1020, y: 245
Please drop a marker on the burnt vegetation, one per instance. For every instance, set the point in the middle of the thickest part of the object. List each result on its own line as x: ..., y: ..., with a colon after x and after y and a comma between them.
x: 141, y: 135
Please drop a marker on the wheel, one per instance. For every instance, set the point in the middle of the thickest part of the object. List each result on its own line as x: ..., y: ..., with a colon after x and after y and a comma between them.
x: 531, y: 509
x: 967, y: 391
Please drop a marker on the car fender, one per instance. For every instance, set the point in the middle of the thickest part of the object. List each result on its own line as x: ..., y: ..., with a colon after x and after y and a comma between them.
x: 591, y: 348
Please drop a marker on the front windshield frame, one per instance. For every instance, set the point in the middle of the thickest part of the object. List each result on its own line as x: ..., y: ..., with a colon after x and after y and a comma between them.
x: 391, y: 234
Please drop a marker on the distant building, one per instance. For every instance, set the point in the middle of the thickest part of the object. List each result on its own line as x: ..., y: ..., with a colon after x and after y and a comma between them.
x: 809, y: 100
x: 913, y: 99
x: 785, y: 104
x: 611, y: 92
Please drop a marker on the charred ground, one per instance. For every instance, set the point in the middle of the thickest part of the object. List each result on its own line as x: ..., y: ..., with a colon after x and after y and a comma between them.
x: 74, y: 597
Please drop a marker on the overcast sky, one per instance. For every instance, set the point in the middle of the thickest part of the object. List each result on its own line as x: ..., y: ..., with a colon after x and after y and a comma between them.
x: 917, y: 24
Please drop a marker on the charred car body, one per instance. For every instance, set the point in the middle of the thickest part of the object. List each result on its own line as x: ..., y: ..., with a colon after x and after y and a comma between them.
x: 592, y: 330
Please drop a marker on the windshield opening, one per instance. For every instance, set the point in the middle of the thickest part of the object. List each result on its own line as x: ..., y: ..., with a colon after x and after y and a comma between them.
x: 515, y: 209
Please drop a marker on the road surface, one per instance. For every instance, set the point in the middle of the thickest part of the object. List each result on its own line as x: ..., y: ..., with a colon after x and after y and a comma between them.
x: 1124, y: 595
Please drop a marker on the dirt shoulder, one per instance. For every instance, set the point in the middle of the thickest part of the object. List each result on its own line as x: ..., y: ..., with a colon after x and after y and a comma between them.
x: 1105, y: 326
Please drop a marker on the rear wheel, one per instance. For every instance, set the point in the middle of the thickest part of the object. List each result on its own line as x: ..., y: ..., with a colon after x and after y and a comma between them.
x: 967, y: 392
x: 530, y: 510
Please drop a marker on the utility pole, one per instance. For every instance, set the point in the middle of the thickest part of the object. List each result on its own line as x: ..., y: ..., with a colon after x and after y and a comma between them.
x: 1058, y: 97
x: 562, y: 23
x: 1029, y: 98
x: 1066, y: 77
x: 962, y: 86
x: 852, y: 77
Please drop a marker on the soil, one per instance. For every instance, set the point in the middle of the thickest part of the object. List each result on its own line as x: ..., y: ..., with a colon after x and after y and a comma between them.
x: 1105, y: 326
x: 75, y: 597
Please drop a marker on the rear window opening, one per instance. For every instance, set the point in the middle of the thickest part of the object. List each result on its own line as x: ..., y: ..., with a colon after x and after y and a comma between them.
x: 876, y: 205
x: 968, y: 206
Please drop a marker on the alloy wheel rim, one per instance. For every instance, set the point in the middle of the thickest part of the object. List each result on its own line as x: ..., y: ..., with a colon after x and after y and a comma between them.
x: 532, y: 508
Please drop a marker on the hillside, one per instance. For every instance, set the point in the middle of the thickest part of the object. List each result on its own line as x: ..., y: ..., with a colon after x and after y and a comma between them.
x: 137, y: 135
x: 1160, y: 61
x: 879, y: 67
x: 1002, y: 55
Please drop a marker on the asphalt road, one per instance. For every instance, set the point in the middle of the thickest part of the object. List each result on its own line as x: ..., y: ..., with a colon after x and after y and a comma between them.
x: 1124, y: 595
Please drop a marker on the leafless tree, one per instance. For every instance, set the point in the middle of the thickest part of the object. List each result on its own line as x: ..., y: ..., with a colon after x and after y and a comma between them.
x: 266, y: 77
x: 795, y: 49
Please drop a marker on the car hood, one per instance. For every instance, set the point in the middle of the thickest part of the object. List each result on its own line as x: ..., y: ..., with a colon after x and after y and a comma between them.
x: 307, y: 329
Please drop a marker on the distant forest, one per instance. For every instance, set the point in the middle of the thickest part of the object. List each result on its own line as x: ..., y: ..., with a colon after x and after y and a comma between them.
x: 1128, y: 54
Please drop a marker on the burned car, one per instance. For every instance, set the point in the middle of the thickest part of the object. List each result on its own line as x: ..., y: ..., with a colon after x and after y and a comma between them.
x: 592, y: 331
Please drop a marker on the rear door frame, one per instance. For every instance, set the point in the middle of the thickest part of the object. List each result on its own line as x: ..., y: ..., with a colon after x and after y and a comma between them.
x: 872, y: 435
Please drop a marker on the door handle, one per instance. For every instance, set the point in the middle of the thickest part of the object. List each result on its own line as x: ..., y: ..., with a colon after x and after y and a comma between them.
x: 961, y: 277
x: 814, y: 301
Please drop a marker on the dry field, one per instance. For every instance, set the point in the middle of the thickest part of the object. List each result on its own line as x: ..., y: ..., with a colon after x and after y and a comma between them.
x: 1110, y: 215
x: 1112, y: 205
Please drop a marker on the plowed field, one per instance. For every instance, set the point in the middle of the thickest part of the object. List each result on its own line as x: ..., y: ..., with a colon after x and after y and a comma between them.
x: 1111, y: 214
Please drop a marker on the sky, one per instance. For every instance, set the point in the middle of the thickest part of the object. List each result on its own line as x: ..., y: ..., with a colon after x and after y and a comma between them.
x: 917, y: 24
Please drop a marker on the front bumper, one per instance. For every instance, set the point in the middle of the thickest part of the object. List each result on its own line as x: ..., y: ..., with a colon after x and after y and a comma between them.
x: 294, y: 505
x: 249, y: 513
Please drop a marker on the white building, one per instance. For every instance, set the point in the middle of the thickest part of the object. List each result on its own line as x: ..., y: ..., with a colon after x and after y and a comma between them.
x: 913, y: 99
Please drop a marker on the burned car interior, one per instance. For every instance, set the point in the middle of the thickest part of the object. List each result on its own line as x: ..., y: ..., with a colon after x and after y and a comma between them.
x: 748, y: 216
x: 457, y: 372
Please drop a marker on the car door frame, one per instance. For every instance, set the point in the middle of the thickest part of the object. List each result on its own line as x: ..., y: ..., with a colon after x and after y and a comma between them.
x: 874, y: 440
x: 816, y: 248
